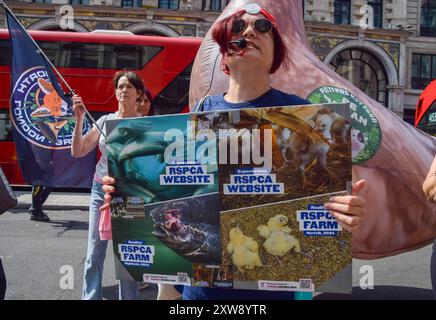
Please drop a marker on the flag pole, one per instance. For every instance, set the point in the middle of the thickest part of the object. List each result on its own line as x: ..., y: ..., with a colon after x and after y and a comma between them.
x: 39, y: 51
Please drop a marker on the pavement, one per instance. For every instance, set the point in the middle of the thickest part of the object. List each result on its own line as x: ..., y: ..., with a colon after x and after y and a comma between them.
x: 68, y: 212
x: 405, y: 276
x: 41, y: 258
x: 56, y: 200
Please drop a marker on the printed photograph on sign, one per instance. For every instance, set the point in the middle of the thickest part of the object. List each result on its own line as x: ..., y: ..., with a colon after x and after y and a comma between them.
x: 203, y: 275
x: 285, y: 242
x: 223, y: 277
x: 366, y: 135
x: 166, y: 237
x: 276, y: 154
x: 158, y: 158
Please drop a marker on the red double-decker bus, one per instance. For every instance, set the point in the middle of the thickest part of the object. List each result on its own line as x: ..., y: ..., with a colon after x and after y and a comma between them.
x: 88, y: 62
x: 425, y: 116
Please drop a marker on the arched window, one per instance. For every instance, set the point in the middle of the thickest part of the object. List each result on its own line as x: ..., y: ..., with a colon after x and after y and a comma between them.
x: 364, y: 70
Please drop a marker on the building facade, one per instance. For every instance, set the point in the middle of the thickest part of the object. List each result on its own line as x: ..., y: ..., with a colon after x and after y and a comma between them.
x: 391, y: 56
x: 386, y: 48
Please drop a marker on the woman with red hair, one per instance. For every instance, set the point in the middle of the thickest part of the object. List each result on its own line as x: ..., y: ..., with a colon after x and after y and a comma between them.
x: 251, y: 50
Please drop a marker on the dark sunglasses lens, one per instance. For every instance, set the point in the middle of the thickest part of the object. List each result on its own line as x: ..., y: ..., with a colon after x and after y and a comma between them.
x: 263, y: 25
x: 238, y: 26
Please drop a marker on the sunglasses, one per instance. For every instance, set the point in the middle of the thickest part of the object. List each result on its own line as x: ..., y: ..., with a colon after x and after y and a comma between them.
x: 260, y: 25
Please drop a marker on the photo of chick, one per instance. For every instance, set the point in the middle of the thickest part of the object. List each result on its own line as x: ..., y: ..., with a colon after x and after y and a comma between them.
x: 278, y: 240
x: 267, y: 243
x: 243, y: 250
x: 310, y: 153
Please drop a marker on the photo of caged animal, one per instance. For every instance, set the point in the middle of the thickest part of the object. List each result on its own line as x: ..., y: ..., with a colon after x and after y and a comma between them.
x: 302, y: 151
x: 189, y: 226
x: 309, y: 148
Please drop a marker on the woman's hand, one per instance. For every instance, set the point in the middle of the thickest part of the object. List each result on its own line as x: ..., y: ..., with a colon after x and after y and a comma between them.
x: 349, y: 210
x: 78, y: 106
x: 108, y: 188
x: 429, y: 187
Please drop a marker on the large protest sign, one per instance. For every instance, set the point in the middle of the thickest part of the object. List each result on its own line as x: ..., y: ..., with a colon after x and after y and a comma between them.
x: 232, y: 199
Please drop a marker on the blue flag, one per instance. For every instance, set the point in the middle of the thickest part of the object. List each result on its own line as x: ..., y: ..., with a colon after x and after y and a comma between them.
x: 42, y: 119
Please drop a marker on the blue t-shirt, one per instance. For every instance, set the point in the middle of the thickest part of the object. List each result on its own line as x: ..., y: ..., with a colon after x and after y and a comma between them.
x: 272, y: 98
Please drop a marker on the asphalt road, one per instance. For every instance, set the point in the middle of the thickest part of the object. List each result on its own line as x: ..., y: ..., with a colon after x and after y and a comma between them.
x: 35, y: 256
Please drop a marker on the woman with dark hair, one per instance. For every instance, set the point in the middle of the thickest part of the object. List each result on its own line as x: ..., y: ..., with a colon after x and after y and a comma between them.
x: 144, y: 106
x: 128, y: 89
x: 251, y: 50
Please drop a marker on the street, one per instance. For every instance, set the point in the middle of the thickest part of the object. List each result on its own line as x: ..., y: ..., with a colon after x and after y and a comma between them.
x: 33, y: 254
x: 36, y: 257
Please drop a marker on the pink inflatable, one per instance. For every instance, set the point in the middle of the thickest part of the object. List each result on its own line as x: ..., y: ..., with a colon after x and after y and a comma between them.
x: 394, y: 157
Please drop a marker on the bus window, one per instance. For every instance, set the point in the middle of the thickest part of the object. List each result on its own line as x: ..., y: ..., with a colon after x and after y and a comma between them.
x: 51, y: 50
x: 148, y: 53
x: 5, y: 52
x: 98, y: 55
x: 71, y: 56
x: 92, y: 55
x: 5, y: 126
x: 428, y: 121
x: 174, y: 97
x: 128, y: 57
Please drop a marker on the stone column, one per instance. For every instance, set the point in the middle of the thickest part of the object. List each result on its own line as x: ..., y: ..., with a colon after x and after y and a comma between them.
x: 356, y: 14
x: 396, y: 13
x: 396, y: 99
x: 150, y: 3
x: 2, y: 19
x: 320, y: 10
x: 186, y: 5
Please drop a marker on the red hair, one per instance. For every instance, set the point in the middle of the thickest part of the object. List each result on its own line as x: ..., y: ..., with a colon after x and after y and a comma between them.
x: 222, y: 34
